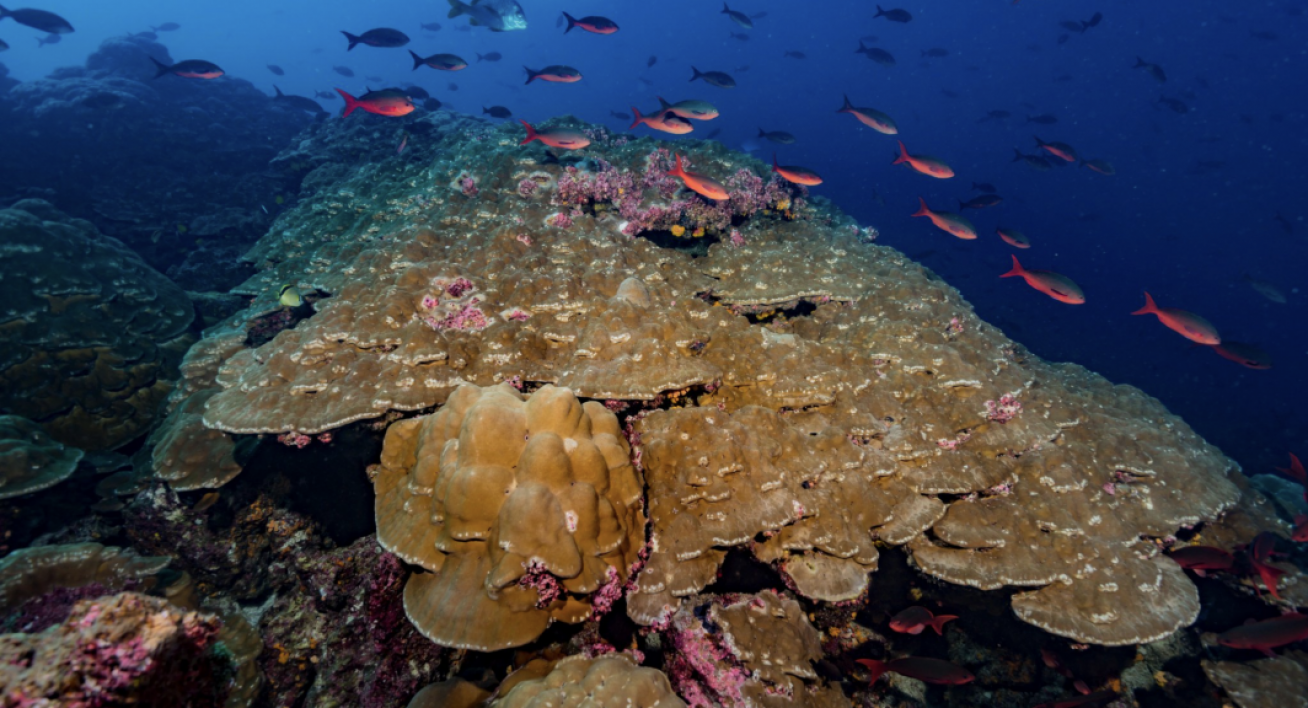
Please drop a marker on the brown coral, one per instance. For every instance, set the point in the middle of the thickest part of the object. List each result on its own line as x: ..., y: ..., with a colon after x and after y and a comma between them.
x: 91, y: 335
x: 608, y: 681
x: 29, y: 460
x: 519, y: 509
x: 1276, y: 682
x: 30, y: 572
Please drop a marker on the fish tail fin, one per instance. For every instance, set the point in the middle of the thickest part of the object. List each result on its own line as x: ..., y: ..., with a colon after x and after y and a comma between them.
x: 938, y: 623
x: 676, y: 171
x: 1139, y: 63
x: 351, y: 102
x: 725, y: 8
x: 1017, y: 155
x: 531, y: 132
x: 457, y: 7
x: 880, y: 12
x: 5, y: 13
x: 417, y: 60
x: 1150, y: 307
x: 572, y: 22
x: 846, y: 106
x: 875, y: 668
x: 774, y: 157
x: 697, y: 73
x: 1017, y: 272
x: 923, y: 210
x: 352, y: 39
x: 903, y: 154
x: 478, y: 56
x: 637, y: 118
x: 861, y: 48
x: 160, y: 68
x: 1039, y: 142
x: 664, y: 105
x: 531, y: 75
x: 279, y: 91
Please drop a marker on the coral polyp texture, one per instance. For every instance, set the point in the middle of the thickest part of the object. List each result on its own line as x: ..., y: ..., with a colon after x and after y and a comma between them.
x: 607, y: 681
x: 522, y: 511
x: 825, y: 396
x: 90, y: 336
x: 30, y: 460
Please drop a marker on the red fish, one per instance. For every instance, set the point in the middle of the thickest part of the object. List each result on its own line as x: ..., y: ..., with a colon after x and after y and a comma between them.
x: 403, y: 144
x: 1087, y: 699
x: 386, y: 102
x: 920, y: 668
x: 1055, y: 285
x: 798, y: 175
x: 927, y: 165
x: 1267, y: 634
x: 1261, y: 552
x: 947, y: 221
x: 1057, y: 149
x: 872, y: 118
x: 915, y: 619
x: 701, y: 184
x: 1300, y: 534
x: 1187, y: 324
x: 1014, y: 238
x: 1295, y: 471
x: 1103, y: 167
x: 595, y: 23
x: 666, y: 121
x: 1246, y: 355
x: 562, y: 138
x: 1201, y: 559
x: 556, y: 73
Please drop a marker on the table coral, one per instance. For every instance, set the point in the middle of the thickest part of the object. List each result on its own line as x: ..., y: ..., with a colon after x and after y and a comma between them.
x: 91, y: 335
x: 30, y: 460
x: 28, y: 573
x: 519, y: 509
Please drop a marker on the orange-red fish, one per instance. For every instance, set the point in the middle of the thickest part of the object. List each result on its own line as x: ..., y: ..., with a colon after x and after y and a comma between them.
x: 556, y: 73
x: 1060, y: 150
x: 915, y: 619
x: 798, y: 175
x: 1103, y: 167
x: 701, y: 184
x: 1013, y: 237
x: 1202, y: 559
x: 1243, y: 354
x: 1267, y: 634
x: 920, y: 668
x: 594, y: 23
x: 1300, y: 534
x: 189, y: 69
x: 665, y: 121
x: 1187, y: 324
x: 948, y: 222
x: 1055, y: 285
x: 1295, y: 471
x: 1260, y: 555
x: 871, y: 117
x: 927, y: 165
x: 562, y: 138
x: 386, y: 102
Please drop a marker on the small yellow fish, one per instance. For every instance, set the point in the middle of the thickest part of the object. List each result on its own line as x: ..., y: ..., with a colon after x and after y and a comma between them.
x: 289, y: 296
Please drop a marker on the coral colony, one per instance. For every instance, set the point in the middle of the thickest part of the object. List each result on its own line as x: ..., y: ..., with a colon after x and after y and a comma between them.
x: 643, y: 446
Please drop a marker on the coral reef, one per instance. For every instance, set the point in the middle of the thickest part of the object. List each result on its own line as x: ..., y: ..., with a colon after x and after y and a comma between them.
x: 608, y: 681
x: 128, y: 649
x: 29, y: 573
x: 92, y: 335
x: 29, y: 460
x: 139, y: 145
x: 1277, y: 682
x: 523, y: 510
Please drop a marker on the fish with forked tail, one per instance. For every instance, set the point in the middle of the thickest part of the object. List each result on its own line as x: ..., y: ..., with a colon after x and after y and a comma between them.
x: 494, y: 15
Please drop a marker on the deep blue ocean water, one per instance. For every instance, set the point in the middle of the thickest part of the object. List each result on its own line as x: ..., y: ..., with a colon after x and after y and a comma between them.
x: 1193, y: 205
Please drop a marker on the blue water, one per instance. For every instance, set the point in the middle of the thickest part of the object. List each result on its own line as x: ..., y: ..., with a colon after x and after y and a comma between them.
x: 1191, y: 208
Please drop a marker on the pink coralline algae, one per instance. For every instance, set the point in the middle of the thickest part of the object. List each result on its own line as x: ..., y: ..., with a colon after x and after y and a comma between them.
x: 518, y: 316
x: 702, y: 671
x: 524, y: 239
x: 737, y: 239
x: 954, y: 442
x: 527, y: 187
x: 540, y: 579
x: 562, y: 220
x: 1005, y: 410
x: 294, y: 439
x: 457, y: 310
x: 468, y: 186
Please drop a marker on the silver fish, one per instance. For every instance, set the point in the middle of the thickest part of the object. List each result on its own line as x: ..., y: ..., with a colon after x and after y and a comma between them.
x: 495, y: 15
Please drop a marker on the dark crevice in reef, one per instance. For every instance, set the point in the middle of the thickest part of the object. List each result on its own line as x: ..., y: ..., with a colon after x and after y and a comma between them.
x: 695, y: 247
x: 267, y: 326
x: 766, y: 314
x: 329, y: 479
